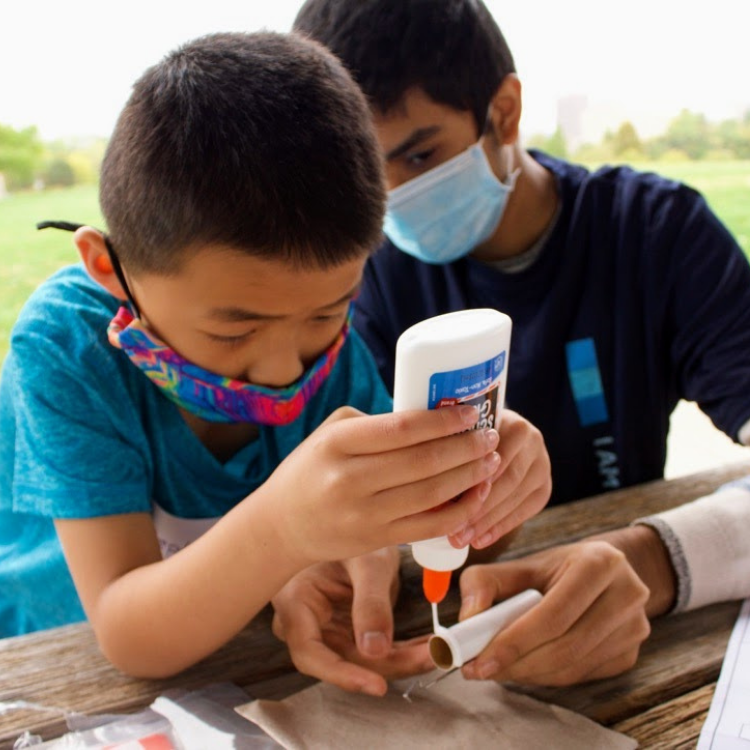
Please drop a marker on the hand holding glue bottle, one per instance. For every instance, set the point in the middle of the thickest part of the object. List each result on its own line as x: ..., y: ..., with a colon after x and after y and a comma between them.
x: 457, y: 358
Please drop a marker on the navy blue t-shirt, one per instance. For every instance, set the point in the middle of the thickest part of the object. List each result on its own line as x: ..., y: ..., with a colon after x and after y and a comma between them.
x: 638, y: 298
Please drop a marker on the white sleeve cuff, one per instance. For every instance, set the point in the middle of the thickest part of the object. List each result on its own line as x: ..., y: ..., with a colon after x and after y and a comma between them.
x: 708, y: 541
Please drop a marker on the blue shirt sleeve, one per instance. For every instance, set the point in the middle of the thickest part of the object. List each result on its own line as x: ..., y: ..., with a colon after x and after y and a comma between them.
x: 71, y: 419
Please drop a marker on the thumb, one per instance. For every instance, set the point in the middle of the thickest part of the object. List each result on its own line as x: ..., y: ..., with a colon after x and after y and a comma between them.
x: 483, y: 585
x: 374, y: 579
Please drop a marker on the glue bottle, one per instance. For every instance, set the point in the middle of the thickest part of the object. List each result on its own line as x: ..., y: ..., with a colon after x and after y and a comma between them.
x: 456, y: 358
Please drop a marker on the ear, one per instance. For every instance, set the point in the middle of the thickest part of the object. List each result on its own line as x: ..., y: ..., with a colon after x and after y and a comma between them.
x: 95, y: 257
x: 505, y: 110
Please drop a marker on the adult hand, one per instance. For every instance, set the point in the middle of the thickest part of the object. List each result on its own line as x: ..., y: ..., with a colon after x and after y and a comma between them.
x: 590, y: 623
x: 336, y: 618
x: 521, y: 486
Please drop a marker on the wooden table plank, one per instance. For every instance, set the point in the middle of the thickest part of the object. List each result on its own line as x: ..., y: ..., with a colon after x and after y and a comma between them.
x: 64, y: 668
x: 675, y: 725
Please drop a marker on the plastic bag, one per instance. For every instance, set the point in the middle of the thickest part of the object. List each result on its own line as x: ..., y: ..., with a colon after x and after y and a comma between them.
x: 177, y: 720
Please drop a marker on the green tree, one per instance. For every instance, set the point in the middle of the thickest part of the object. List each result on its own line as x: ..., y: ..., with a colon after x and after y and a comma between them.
x: 689, y: 132
x: 59, y: 173
x: 554, y: 144
x: 734, y: 136
x: 626, y: 140
x: 83, y: 155
x: 20, y: 155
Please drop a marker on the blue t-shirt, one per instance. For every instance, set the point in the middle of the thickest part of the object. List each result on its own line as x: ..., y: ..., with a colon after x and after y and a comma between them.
x: 83, y: 433
x: 639, y: 297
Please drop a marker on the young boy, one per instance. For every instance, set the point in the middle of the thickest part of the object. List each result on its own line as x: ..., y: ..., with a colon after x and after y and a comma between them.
x: 626, y: 295
x: 181, y: 415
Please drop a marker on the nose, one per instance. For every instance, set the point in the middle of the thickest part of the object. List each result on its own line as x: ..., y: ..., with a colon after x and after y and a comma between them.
x: 279, y: 368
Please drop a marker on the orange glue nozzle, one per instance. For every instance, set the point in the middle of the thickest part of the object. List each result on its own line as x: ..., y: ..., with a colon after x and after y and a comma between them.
x: 435, y: 584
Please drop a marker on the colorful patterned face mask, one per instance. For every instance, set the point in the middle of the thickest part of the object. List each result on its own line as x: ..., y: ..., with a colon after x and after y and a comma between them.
x: 214, y: 397
x: 209, y: 396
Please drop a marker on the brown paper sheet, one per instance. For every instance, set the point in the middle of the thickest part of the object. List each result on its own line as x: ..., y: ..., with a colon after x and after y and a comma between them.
x: 454, y: 713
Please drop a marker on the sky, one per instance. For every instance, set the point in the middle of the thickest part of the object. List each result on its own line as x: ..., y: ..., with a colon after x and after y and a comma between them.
x: 67, y: 67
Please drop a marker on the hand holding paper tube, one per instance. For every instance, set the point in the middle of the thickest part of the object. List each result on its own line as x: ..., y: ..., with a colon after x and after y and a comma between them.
x: 453, y: 647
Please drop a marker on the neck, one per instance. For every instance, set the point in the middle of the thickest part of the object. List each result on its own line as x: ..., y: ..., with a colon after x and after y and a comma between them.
x: 531, y: 207
x: 222, y: 440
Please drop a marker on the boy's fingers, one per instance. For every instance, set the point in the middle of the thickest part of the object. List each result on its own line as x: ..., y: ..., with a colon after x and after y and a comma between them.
x: 442, y: 519
x: 498, y: 520
x: 386, y: 432
x: 312, y: 657
x: 373, y: 578
x: 325, y: 664
x: 521, y: 490
x: 427, y: 460
x: 426, y: 495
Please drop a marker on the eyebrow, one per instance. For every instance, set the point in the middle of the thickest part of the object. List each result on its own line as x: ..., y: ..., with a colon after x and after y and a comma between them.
x: 241, y: 315
x: 419, y: 135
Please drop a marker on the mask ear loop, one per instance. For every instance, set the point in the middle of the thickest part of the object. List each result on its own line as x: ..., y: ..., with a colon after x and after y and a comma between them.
x: 117, y: 268
x: 511, y: 175
x: 68, y: 226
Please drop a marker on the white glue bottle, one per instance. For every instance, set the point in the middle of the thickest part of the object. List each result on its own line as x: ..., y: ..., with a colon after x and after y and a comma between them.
x: 457, y: 358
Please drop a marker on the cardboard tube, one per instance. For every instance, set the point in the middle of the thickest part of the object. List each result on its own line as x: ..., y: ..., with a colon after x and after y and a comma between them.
x: 453, y: 647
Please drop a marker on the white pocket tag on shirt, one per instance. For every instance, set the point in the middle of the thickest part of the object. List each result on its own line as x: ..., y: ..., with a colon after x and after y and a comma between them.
x: 176, y: 533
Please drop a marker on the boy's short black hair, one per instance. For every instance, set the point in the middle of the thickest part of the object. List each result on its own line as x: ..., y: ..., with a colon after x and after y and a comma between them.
x: 452, y: 49
x: 257, y: 142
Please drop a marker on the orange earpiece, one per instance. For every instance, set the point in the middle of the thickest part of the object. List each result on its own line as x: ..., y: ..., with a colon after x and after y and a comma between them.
x: 103, y: 264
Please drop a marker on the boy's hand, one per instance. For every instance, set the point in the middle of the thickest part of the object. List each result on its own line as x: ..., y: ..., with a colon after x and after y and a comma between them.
x: 336, y: 618
x: 360, y: 483
x: 589, y: 625
x: 520, y: 488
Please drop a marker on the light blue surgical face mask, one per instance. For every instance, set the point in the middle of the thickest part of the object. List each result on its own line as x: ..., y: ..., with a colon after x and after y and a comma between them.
x: 445, y: 213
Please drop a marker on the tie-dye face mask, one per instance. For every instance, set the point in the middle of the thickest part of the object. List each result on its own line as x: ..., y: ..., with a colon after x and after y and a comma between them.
x: 214, y: 397
x: 209, y: 396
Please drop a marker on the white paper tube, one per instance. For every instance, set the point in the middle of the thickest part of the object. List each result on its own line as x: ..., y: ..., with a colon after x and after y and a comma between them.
x: 453, y: 647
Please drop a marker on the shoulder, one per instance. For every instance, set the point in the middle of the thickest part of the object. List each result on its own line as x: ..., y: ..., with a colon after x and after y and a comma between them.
x: 58, y: 348
x: 70, y: 305
x: 622, y: 188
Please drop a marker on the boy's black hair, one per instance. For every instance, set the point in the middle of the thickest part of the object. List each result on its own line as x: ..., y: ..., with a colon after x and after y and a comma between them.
x: 257, y: 142
x: 452, y: 49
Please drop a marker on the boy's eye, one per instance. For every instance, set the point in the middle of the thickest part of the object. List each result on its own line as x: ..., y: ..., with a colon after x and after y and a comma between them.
x: 329, y: 317
x: 229, y: 340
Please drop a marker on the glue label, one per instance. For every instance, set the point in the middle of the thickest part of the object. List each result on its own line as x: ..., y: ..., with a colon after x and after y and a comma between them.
x: 477, y: 385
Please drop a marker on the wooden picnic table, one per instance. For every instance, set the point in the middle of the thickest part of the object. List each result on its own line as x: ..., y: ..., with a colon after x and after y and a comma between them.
x: 662, y: 702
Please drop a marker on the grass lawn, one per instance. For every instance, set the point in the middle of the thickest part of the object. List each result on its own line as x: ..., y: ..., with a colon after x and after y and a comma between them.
x: 28, y: 256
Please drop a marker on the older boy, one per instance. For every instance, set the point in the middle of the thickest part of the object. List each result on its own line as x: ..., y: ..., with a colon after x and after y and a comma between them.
x: 168, y: 459
x: 626, y: 293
